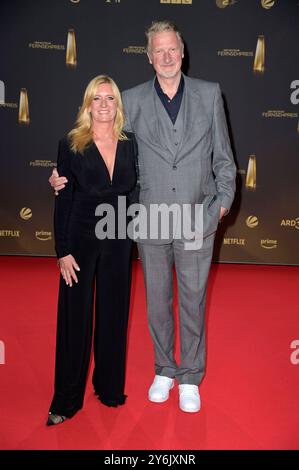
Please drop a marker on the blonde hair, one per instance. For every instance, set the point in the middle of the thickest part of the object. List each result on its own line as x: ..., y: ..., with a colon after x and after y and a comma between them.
x: 161, y: 27
x: 82, y: 135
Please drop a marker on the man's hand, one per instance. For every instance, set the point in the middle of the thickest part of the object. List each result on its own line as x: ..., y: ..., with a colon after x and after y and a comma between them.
x: 57, y: 182
x: 223, y: 212
x: 67, y: 266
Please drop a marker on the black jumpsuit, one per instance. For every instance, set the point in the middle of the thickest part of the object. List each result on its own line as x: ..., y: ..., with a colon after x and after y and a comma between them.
x: 105, y: 270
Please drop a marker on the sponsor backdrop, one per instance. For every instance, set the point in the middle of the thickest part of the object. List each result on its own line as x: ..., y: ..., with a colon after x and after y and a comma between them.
x: 50, y: 50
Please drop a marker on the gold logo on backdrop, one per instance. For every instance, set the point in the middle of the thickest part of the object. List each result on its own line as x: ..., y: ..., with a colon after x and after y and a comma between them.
x: 278, y: 113
x: 250, y: 182
x: 134, y: 50
x: 225, y: 3
x: 269, y: 244
x: 26, y: 213
x: 234, y: 241
x: 234, y: 53
x: 252, y: 221
x: 75, y: 1
x: 267, y: 4
x: 42, y: 163
x: 259, y: 58
x: 177, y: 2
x: 43, y: 236
x: 9, y: 105
x: 71, y: 51
x: 292, y: 223
x: 24, y: 107
x: 10, y: 233
x: 46, y: 45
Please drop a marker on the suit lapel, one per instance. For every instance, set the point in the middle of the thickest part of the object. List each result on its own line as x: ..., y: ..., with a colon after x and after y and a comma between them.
x: 194, y: 117
x: 148, y: 111
x: 194, y: 113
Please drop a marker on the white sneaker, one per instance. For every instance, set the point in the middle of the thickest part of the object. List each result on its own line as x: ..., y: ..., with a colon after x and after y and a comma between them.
x: 189, y: 398
x: 159, y: 390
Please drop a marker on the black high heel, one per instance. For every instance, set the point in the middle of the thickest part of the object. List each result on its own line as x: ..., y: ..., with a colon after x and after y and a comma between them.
x: 55, y: 419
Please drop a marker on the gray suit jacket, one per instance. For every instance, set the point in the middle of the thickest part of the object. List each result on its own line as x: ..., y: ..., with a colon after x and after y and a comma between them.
x: 202, y: 169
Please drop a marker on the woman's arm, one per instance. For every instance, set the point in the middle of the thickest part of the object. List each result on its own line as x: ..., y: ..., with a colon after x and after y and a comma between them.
x: 63, y: 207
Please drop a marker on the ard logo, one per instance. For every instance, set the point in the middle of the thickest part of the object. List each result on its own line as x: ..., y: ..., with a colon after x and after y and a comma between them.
x: 293, y: 223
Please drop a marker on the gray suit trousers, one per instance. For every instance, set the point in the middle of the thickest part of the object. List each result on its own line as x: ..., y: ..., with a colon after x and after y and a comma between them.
x: 192, y: 270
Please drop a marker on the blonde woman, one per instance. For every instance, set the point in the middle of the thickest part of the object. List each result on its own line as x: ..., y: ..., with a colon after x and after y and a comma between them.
x: 98, y: 159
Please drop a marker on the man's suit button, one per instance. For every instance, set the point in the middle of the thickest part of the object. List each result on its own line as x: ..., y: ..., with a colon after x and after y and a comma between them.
x: 176, y: 143
x: 174, y: 167
x: 173, y: 189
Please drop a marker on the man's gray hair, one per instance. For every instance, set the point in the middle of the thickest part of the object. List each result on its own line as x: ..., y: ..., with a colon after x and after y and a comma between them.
x: 161, y: 27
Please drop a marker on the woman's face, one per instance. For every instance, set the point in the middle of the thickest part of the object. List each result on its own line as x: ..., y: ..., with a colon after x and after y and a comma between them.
x: 103, y: 106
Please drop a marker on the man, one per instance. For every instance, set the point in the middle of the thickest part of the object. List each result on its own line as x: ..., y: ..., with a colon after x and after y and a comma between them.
x: 184, y: 158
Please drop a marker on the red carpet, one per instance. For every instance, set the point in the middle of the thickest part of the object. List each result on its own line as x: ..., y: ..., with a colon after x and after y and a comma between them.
x: 249, y: 395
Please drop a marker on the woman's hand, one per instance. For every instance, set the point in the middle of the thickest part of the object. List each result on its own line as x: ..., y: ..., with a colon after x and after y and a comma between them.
x: 57, y: 182
x: 67, y: 266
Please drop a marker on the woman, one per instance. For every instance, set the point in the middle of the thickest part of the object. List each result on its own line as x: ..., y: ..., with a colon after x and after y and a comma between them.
x: 98, y: 158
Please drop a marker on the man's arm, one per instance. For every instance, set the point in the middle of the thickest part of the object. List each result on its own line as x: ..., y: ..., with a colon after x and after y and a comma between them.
x: 224, y: 167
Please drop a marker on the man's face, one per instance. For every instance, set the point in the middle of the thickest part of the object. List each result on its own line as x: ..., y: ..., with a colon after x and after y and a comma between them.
x: 165, y: 54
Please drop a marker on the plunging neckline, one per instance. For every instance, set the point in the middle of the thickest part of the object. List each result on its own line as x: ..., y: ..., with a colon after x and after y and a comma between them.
x: 110, y: 177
